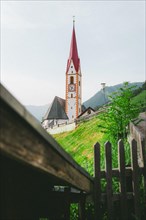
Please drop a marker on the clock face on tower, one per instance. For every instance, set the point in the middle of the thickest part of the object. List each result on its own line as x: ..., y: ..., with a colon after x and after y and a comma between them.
x: 71, y: 87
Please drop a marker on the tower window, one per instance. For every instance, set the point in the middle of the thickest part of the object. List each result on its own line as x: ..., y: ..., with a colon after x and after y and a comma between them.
x: 71, y: 66
x: 71, y: 80
x: 71, y: 95
x: 79, y: 83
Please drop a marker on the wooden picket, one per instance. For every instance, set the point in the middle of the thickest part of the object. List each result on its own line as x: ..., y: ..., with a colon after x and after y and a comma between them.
x: 97, y: 184
x: 127, y: 196
x: 135, y: 179
x: 122, y: 179
x: 108, y: 165
x: 144, y: 171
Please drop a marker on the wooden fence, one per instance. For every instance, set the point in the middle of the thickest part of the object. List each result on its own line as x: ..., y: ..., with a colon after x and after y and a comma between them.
x: 128, y: 203
x: 34, y: 166
x: 138, y: 133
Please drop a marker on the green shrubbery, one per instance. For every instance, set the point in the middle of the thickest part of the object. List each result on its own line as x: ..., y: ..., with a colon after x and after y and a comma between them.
x: 120, y: 112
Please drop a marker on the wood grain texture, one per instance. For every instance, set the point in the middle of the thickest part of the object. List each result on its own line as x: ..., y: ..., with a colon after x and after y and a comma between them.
x: 135, y: 179
x: 108, y: 165
x: 122, y: 180
x: 23, y: 139
x: 97, y: 181
x: 144, y: 170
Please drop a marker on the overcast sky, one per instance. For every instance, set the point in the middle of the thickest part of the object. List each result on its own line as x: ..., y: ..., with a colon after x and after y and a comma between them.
x: 35, y: 44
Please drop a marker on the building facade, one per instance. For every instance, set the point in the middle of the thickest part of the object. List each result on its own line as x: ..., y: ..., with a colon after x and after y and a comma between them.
x: 66, y: 111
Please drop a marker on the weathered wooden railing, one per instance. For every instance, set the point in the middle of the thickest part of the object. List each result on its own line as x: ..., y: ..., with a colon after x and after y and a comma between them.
x: 32, y: 164
x: 125, y: 196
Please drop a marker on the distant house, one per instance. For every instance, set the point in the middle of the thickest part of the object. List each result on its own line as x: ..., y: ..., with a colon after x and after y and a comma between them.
x: 86, y: 112
x: 56, y: 113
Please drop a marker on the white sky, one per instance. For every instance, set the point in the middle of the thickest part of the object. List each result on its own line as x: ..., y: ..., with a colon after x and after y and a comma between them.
x: 35, y: 44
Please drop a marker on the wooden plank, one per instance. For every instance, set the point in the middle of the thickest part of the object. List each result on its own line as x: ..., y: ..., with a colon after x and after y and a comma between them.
x: 97, y: 184
x: 23, y: 139
x: 135, y: 179
x: 21, y: 111
x: 116, y: 196
x: 26, y: 193
x: 67, y: 203
x: 82, y: 206
x: 115, y: 172
x: 143, y: 143
x: 108, y: 165
x: 122, y: 180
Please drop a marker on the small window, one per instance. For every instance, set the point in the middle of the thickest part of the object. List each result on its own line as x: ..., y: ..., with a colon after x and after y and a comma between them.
x: 79, y: 83
x: 71, y: 95
x: 72, y: 72
x: 72, y: 116
x: 71, y: 66
x: 89, y: 111
x: 71, y: 80
x: 71, y: 107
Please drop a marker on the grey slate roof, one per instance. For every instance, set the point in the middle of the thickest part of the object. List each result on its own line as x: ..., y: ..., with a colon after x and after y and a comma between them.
x: 56, y: 110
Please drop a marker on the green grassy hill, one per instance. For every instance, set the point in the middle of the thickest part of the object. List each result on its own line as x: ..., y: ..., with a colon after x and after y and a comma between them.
x: 100, y: 98
x: 80, y: 142
x: 141, y: 100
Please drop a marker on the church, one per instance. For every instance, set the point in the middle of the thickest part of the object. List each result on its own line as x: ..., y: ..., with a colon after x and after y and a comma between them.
x: 64, y: 111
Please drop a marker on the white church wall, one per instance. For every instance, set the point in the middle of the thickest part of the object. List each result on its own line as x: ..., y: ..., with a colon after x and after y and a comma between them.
x: 71, y: 100
x: 62, y: 128
x: 71, y: 69
x: 79, y: 93
x: 54, y: 122
x: 80, y: 85
x: 61, y: 121
x: 45, y: 124
x: 71, y: 109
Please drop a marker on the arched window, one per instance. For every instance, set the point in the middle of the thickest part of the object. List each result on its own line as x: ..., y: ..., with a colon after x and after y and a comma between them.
x: 71, y: 95
x: 71, y: 80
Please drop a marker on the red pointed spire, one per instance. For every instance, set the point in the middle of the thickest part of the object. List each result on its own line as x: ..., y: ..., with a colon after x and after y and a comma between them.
x: 73, y: 52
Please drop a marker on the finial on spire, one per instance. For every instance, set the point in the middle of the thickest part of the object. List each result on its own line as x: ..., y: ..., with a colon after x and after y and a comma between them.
x: 73, y: 20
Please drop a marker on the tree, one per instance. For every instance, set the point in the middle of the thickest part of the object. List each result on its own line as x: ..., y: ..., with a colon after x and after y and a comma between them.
x: 116, y: 117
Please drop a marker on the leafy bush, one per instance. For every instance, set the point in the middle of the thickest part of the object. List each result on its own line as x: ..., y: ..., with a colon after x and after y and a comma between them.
x: 116, y: 117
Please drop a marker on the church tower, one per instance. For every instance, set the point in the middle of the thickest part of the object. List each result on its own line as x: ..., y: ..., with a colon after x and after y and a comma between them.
x: 73, y: 81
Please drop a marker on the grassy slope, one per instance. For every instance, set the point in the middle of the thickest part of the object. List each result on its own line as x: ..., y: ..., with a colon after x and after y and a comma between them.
x: 79, y: 143
x: 140, y: 99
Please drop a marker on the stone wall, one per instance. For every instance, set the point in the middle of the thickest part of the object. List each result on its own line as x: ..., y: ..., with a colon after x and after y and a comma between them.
x: 62, y: 128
